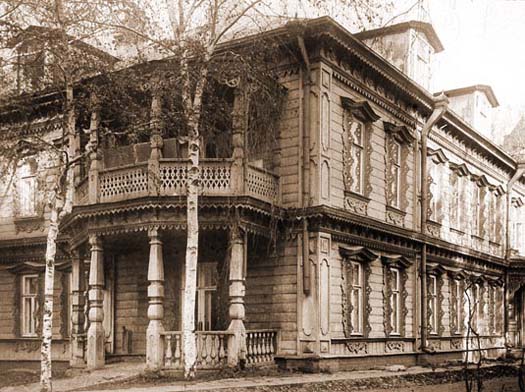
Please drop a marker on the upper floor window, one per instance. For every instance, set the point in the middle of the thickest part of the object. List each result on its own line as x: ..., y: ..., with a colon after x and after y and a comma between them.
x: 206, y: 296
x: 458, y: 214
x: 397, y: 144
x: 495, y: 214
x: 357, y: 121
x: 436, y: 159
x: 356, y: 133
x: 478, y: 205
x: 26, y: 190
x: 29, y: 296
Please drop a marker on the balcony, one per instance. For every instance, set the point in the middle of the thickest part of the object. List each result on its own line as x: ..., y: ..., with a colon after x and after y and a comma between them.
x: 168, y: 177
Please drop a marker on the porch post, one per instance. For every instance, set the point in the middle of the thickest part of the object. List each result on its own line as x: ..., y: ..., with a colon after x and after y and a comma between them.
x: 156, y: 144
x: 237, y: 342
x: 95, y: 335
x: 154, y: 342
x: 238, y: 137
x: 77, y: 311
x: 94, y: 156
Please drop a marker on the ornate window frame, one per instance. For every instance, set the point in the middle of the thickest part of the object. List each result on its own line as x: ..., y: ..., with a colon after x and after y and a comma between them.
x: 357, y: 199
x: 398, y: 139
x: 395, y: 266
x: 435, y: 211
x: 363, y: 256
x: 458, y: 214
x: 495, y: 216
x: 479, y: 201
x: 457, y: 302
x: 435, y: 298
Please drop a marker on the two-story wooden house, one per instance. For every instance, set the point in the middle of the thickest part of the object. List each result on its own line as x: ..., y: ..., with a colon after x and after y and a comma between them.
x: 376, y: 231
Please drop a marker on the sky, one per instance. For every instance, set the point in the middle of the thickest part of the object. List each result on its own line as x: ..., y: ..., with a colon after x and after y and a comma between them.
x: 484, y: 43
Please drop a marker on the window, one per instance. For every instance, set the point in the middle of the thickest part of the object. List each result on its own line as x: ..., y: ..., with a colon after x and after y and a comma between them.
x: 458, y: 213
x: 397, y: 142
x: 456, y: 306
x: 356, y: 129
x: 29, y: 295
x: 395, y: 302
x: 396, y: 174
x: 422, y: 66
x: 357, y: 151
x: 27, y: 191
x: 476, y: 210
x: 395, y: 293
x: 433, y: 304
x: 206, y: 296
x: 356, y: 289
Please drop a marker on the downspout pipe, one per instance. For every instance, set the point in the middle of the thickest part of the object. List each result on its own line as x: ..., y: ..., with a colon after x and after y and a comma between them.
x: 440, y: 107
x: 520, y: 170
x: 304, y: 159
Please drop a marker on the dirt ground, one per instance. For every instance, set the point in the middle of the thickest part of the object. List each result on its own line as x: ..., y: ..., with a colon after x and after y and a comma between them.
x: 19, y: 373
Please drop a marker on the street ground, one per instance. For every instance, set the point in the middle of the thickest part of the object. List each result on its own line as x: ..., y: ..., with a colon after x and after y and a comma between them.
x: 129, y: 377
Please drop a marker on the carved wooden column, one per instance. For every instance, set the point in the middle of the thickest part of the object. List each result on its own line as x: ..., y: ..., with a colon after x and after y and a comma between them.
x: 237, y: 342
x: 156, y: 144
x: 154, y: 342
x: 77, y: 311
x: 95, y: 335
x: 238, y: 140
x: 95, y: 159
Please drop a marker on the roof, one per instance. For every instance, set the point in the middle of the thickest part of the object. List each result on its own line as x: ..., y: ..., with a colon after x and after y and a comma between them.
x: 486, y: 89
x: 424, y: 27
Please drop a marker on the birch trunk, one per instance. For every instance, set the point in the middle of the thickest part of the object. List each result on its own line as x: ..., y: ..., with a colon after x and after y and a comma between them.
x: 192, y: 252
x: 62, y: 203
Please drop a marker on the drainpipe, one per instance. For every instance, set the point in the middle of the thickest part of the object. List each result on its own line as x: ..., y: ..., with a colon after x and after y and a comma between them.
x: 440, y: 107
x: 520, y: 170
x: 304, y: 159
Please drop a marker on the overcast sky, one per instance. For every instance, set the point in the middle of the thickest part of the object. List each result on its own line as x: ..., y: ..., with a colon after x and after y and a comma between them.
x: 484, y: 43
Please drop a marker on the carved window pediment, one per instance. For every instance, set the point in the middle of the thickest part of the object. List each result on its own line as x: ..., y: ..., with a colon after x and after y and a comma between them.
x: 437, y: 156
x: 400, y: 133
x: 517, y: 202
x: 435, y: 269
x: 360, y: 109
x: 480, y: 180
x: 359, y: 253
x: 459, y: 169
x: 396, y: 261
x: 498, y: 190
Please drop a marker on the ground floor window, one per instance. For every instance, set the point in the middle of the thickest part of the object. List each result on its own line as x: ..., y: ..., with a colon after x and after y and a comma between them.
x: 206, y: 309
x: 433, y: 304
x: 29, y: 296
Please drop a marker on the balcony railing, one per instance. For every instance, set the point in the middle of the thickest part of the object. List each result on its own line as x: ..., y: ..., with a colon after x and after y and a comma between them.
x: 168, y: 177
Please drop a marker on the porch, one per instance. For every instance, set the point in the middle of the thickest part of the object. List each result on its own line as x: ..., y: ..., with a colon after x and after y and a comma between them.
x: 135, y: 296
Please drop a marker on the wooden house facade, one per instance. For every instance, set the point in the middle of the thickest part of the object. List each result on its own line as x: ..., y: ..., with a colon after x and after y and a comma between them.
x: 385, y: 229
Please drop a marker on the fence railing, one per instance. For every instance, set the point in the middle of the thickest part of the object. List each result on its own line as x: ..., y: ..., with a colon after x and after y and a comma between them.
x: 169, y: 178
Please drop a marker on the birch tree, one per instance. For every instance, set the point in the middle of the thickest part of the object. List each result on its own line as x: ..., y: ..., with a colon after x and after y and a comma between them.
x: 56, y: 30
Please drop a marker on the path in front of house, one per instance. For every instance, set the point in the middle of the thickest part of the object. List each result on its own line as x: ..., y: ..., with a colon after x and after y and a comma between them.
x: 84, y: 379
x: 114, y: 376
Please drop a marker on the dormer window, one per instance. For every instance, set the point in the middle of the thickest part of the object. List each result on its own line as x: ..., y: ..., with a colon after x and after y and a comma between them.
x: 357, y: 121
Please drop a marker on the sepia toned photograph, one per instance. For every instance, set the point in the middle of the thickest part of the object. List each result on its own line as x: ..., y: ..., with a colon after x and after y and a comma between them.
x: 262, y: 195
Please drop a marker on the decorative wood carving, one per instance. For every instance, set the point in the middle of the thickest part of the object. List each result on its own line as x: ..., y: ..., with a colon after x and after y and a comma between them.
x: 394, y: 216
x: 394, y: 347
x: 357, y: 347
x: 356, y: 204
x: 387, y: 293
x: 64, y: 305
x: 456, y: 344
x: 401, y: 263
x: 27, y: 346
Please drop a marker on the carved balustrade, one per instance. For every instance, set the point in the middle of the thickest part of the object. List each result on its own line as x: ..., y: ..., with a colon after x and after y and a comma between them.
x: 261, y: 346
x: 212, y: 349
x: 170, y: 179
